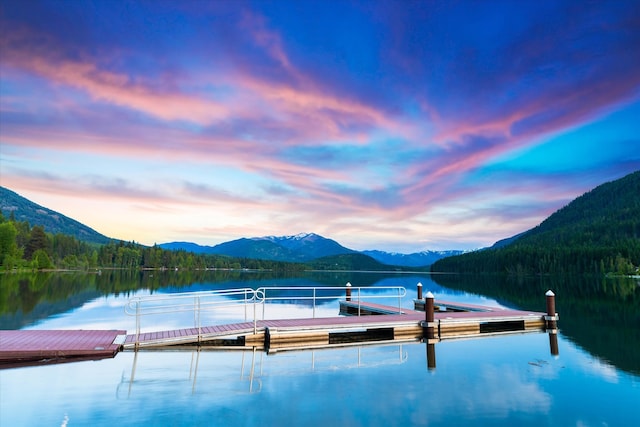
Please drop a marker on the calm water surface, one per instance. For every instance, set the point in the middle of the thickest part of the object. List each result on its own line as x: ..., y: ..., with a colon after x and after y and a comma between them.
x: 504, y: 380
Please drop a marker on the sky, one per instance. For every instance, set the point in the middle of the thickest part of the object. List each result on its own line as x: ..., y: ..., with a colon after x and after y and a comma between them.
x: 400, y: 126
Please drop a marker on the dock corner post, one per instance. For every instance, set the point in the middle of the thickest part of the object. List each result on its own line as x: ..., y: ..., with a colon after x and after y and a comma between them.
x: 429, y: 308
x: 551, y: 318
x: 348, y: 291
x: 419, y: 290
x: 551, y: 322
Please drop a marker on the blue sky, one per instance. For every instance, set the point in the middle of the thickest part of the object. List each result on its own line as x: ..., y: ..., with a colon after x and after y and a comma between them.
x: 399, y: 126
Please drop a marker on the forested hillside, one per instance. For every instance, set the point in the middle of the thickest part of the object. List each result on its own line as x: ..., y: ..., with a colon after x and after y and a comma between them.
x: 599, y: 232
x: 14, y: 206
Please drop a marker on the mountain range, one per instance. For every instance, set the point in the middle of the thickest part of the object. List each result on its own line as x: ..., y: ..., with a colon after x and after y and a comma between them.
x: 597, y: 232
x: 303, y: 247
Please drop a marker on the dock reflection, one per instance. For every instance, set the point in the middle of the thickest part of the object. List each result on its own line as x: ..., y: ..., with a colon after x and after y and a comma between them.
x: 251, y: 367
x: 430, y: 345
x: 218, y: 368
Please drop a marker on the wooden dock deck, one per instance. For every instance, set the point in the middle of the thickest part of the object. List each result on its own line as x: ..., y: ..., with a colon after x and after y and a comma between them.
x: 291, y: 334
x: 29, y: 347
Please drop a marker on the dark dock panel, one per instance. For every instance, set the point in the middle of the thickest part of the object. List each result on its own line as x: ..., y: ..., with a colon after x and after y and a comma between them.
x: 33, y: 347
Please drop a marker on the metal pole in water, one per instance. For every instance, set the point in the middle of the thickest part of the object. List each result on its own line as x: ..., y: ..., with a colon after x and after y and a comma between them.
x: 199, y: 324
x: 255, y: 319
x: 137, y: 323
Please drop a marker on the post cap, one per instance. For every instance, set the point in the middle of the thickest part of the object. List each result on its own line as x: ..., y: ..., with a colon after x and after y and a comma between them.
x: 429, y: 295
x: 419, y: 284
x: 550, y: 293
x: 348, y: 284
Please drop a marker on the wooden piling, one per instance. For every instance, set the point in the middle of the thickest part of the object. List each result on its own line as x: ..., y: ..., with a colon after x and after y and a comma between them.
x: 348, y: 291
x: 551, y: 318
x: 429, y: 308
x: 419, y: 290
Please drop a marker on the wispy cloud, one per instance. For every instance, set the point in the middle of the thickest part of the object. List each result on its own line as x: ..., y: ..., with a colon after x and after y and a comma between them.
x: 427, y: 121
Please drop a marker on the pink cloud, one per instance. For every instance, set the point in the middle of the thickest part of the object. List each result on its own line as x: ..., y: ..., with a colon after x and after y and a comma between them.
x: 310, y: 113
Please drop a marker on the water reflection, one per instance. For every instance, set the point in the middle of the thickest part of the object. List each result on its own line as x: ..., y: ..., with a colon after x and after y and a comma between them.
x: 248, y: 376
x: 251, y: 364
x: 498, y: 381
x: 597, y: 313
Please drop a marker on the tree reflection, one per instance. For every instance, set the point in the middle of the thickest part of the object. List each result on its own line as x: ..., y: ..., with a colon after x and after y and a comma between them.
x: 601, y: 314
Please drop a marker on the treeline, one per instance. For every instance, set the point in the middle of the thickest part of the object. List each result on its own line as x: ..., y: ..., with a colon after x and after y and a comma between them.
x: 529, y: 259
x: 25, y: 247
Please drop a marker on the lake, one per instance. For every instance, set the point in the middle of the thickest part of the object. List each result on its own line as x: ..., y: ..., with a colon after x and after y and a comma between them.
x: 498, y: 380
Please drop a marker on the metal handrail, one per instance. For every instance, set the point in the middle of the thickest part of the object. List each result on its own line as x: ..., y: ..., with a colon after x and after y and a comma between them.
x: 209, y: 300
x: 189, y: 301
x: 356, y: 293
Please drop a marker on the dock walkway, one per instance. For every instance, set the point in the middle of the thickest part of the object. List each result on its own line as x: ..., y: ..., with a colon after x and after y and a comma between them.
x: 28, y: 347
x: 373, y: 325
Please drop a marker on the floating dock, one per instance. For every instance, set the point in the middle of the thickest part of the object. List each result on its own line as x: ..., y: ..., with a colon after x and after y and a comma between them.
x: 362, y: 322
x: 376, y: 323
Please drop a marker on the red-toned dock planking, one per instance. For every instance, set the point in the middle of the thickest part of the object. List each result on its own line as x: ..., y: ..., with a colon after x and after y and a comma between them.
x: 30, y: 347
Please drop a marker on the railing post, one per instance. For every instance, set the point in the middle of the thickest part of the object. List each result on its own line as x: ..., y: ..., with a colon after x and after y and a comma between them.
x: 137, y: 323
x: 314, y: 302
x: 199, y: 323
x: 419, y: 290
x: 255, y: 320
x: 348, y: 291
x: 429, y: 314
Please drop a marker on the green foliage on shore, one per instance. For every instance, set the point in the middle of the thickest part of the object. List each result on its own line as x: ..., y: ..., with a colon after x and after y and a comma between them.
x: 597, y: 233
x: 25, y: 247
